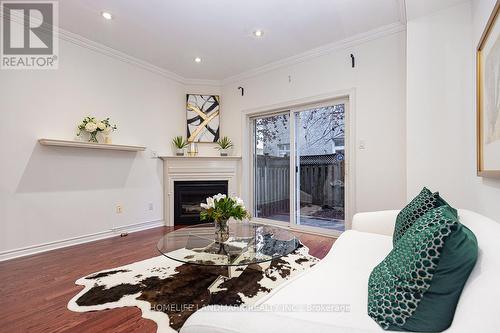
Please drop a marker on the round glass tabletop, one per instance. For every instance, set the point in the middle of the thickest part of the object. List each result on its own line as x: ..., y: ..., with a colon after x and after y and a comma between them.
x: 248, y: 243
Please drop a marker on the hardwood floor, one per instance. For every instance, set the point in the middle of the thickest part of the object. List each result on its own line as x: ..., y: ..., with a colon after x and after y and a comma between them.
x: 35, y: 290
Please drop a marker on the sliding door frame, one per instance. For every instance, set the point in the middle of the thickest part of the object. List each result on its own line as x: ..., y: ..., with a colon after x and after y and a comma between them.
x: 252, y: 168
x: 347, y: 98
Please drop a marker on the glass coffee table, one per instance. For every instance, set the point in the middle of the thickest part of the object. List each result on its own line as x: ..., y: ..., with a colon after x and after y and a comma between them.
x: 250, y: 245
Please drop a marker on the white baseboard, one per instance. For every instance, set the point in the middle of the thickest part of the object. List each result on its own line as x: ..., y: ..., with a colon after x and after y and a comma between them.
x: 138, y: 226
x: 29, y: 250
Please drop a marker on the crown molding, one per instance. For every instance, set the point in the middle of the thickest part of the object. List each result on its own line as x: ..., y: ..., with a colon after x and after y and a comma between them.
x: 320, y: 51
x: 84, y: 42
x: 113, y: 53
x: 89, y: 44
x: 202, y: 82
x: 329, y: 48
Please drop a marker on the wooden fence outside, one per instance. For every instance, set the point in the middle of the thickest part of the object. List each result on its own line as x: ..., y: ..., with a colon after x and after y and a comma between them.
x: 321, y: 183
x: 272, y: 185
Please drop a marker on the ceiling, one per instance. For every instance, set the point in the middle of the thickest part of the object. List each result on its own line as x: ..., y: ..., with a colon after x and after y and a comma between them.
x: 171, y: 33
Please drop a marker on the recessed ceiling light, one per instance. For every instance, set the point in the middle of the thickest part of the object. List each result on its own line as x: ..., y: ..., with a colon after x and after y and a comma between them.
x: 197, y: 59
x: 258, y: 33
x: 107, y: 15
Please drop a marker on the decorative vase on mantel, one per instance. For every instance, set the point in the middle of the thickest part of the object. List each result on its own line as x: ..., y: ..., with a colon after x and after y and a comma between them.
x: 192, y: 149
x: 221, y: 231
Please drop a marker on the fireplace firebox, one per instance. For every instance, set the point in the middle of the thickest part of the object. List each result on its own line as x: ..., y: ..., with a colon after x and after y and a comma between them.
x: 189, y: 194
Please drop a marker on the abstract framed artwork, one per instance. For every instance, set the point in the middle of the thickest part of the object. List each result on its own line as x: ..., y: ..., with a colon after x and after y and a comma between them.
x: 203, y: 118
x: 488, y: 98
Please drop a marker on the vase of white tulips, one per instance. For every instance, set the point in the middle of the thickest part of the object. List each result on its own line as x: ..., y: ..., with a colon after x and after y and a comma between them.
x: 219, y: 209
x: 93, y: 126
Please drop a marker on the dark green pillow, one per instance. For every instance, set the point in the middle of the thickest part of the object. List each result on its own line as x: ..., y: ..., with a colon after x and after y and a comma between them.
x: 417, y: 286
x: 421, y: 204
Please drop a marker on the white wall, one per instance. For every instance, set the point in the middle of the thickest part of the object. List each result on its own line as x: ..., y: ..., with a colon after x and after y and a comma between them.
x: 481, y: 11
x: 441, y: 135
x: 49, y: 194
x: 379, y: 83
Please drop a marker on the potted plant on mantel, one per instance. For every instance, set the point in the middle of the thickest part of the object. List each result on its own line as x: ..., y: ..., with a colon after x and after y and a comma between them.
x: 224, y: 146
x: 179, y: 144
x: 219, y: 209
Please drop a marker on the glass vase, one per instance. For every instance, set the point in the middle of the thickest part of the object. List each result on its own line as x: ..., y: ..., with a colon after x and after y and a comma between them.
x: 221, y: 231
x: 93, y: 137
x: 193, y: 149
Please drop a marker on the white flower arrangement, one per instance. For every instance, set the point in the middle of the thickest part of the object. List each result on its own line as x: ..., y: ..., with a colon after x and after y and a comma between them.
x: 220, y: 207
x: 93, y: 126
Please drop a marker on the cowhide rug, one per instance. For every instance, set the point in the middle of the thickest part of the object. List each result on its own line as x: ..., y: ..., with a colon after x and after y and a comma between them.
x: 168, y: 292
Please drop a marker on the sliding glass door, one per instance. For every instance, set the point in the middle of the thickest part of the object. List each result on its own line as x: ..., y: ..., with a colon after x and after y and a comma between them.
x: 298, y: 167
x: 272, y: 167
x: 319, y: 161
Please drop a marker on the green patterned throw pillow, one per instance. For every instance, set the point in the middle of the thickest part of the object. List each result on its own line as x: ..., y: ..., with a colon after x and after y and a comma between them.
x: 417, y: 286
x: 421, y: 204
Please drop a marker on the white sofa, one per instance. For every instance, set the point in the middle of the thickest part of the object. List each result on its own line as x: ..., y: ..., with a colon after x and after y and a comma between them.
x: 342, y: 278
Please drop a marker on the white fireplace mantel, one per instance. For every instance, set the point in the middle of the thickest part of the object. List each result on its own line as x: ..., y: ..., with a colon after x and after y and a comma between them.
x: 182, y: 168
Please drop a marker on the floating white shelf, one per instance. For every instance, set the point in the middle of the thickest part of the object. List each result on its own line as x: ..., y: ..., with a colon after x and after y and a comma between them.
x: 88, y: 145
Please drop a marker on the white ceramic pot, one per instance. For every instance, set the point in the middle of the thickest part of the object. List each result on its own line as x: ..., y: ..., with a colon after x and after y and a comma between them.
x: 225, y: 152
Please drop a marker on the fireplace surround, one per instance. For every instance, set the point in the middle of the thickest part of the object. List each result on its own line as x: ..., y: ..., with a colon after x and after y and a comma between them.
x: 202, y: 169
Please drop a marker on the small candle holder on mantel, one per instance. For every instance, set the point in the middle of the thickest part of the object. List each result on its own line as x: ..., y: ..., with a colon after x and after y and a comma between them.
x: 107, y: 138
